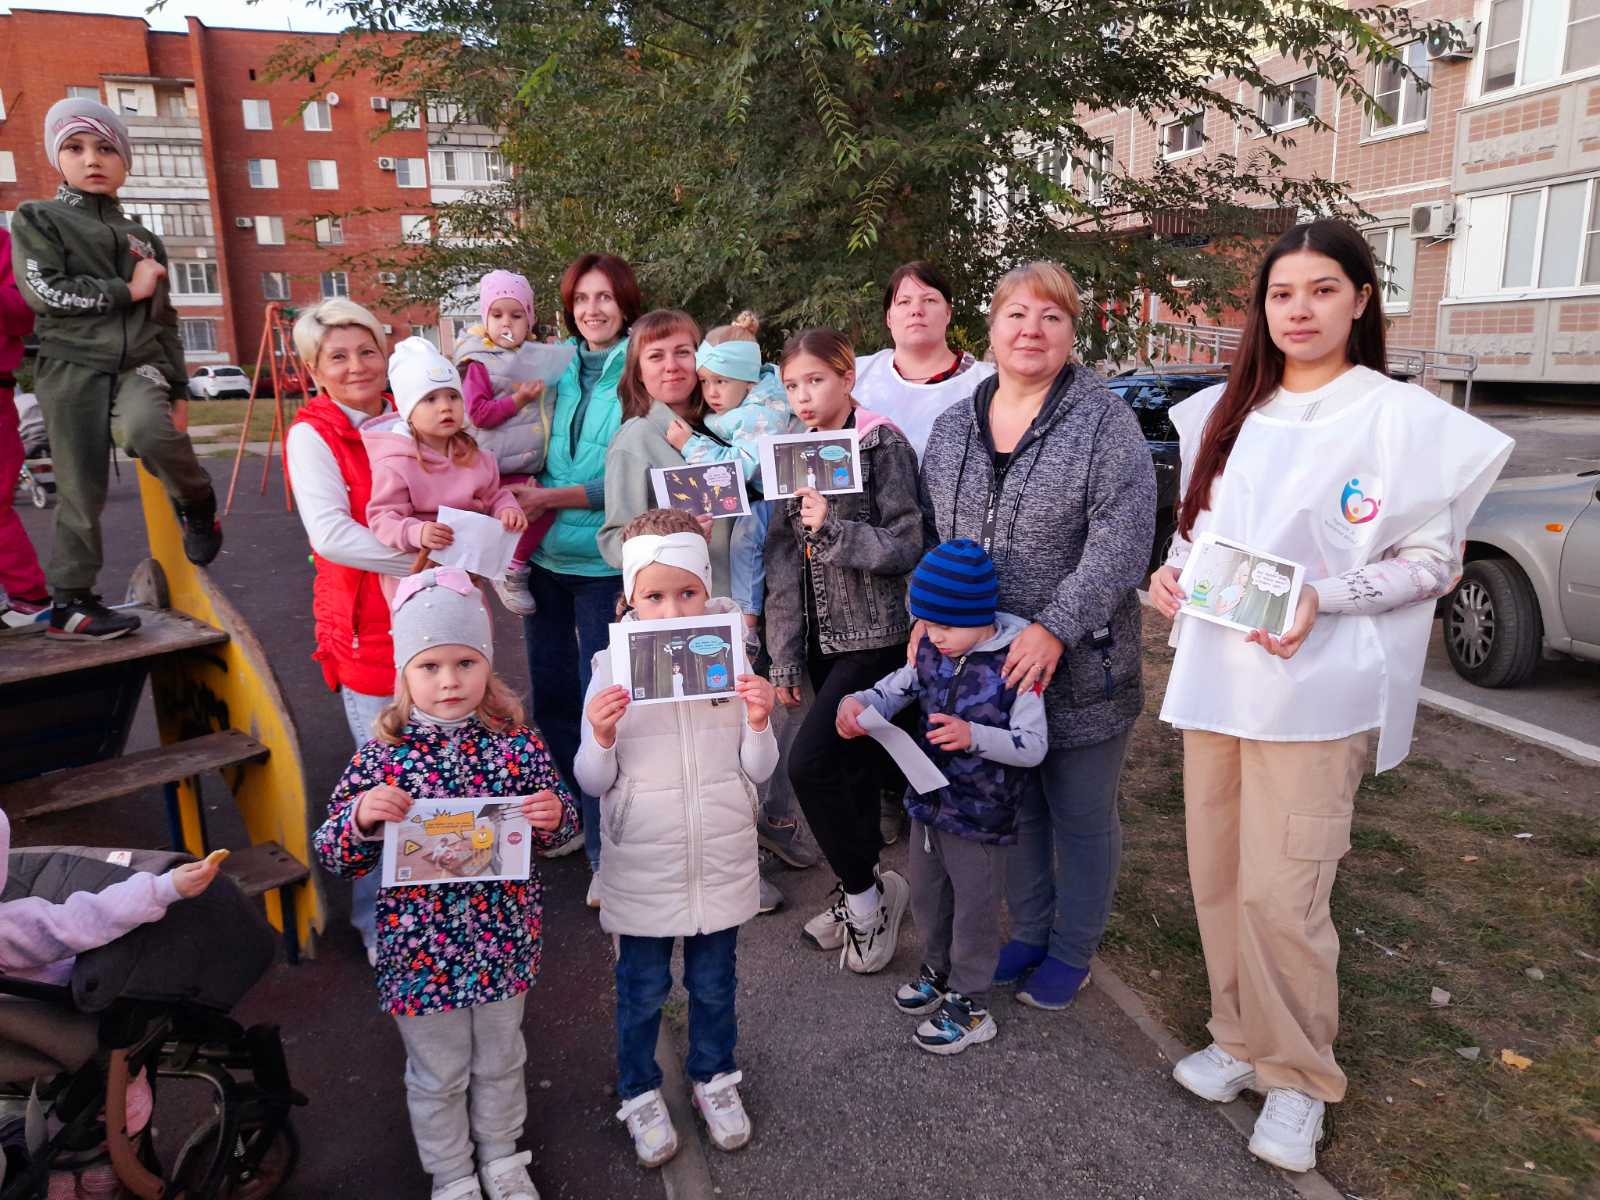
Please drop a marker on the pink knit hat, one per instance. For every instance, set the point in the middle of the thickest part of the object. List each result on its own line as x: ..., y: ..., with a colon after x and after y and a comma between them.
x: 504, y: 285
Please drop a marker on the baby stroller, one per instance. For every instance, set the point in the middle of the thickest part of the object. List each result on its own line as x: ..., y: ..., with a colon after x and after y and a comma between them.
x: 154, y: 1001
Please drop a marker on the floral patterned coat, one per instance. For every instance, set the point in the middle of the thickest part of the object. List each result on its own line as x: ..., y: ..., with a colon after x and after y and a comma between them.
x: 457, y: 945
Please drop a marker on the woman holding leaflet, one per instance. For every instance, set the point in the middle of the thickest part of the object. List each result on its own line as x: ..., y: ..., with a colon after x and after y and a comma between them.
x: 1310, y: 454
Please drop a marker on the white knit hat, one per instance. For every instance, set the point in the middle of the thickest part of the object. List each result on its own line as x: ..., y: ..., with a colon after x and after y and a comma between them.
x: 415, y: 369
x: 440, y: 607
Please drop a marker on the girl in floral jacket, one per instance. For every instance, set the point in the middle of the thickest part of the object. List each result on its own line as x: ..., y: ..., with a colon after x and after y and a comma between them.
x: 454, y: 961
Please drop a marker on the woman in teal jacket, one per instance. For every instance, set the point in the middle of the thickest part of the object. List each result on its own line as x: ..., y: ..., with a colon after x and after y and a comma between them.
x: 574, y: 587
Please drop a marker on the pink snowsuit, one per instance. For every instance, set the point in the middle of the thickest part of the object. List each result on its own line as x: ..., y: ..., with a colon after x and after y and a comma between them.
x: 19, y: 565
x: 406, y: 494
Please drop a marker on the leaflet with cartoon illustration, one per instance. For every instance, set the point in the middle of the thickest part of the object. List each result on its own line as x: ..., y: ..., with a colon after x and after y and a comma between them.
x: 828, y: 461
x: 458, y: 841
x: 678, y: 658
x: 705, y: 489
x: 1234, y: 585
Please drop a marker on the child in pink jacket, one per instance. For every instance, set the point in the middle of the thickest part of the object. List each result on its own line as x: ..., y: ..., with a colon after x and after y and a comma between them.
x: 20, y: 576
x: 425, y: 459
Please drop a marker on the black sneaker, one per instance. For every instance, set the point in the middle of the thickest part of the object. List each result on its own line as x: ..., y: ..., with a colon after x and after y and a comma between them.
x: 87, y: 620
x: 202, y: 532
x: 957, y: 1025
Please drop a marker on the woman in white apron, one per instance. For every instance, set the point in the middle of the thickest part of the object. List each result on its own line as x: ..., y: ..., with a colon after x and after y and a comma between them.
x: 1308, y: 453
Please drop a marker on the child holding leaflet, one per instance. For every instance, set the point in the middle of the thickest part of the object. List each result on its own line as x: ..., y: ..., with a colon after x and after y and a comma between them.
x: 454, y: 961
x: 677, y: 821
x: 747, y: 403
x: 425, y: 459
x: 981, y: 732
x: 837, y: 614
x: 503, y: 368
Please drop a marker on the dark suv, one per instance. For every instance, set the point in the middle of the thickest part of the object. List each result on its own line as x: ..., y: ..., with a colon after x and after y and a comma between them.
x: 1150, y: 392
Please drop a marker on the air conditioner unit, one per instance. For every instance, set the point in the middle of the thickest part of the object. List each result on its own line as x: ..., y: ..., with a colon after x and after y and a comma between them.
x: 1452, y: 42
x: 386, y: 164
x: 244, y: 222
x: 388, y: 277
x: 333, y: 99
x: 380, y: 104
x: 388, y: 328
x: 1434, y: 219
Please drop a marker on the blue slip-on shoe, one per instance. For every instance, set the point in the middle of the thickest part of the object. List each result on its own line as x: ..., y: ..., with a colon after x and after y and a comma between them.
x: 1053, y: 985
x: 1016, y: 960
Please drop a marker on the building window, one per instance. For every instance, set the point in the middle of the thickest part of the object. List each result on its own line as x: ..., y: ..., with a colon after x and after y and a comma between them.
x: 415, y: 228
x: 330, y: 231
x: 257, y: 114
x: 1183, y: 136
x: 274, y: 285
x: 198, y: 336
x: 335, y: 283
x: 318, y: 117
x: 1533, y: 239
x: 8, y: 167
x: 410, y: 172
x: 128, y: 101
x: 442, y: 112
x: 269, y: 231
x: 466, y: 166
x: 193, y: 278
x: 405, y: 114
x: 1531, y: 41
x: 77, y: 91
x: 171, y: 218
x: 1296, y: 107
x: 1396, y: 255
x: 5, y: 218
x: 177, y: 107
x: 263, y: 172
x: 168, y: 160
x: 324, y: 173
x: 1402, y: 103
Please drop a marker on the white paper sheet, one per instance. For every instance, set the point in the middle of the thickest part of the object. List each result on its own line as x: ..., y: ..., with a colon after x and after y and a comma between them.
x: 458, y: 841
x: 917, y: 767
x: 482, y: 545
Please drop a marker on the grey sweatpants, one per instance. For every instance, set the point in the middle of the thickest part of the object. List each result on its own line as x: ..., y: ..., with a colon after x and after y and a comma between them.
x: 956, y: 886
x: 464, y: 1085
x: 79, y: 404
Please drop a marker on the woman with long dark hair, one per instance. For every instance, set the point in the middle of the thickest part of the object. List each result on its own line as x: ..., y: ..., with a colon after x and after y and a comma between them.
x: 1309, y: 454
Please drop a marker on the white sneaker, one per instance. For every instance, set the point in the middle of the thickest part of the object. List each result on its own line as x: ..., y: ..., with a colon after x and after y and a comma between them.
x: 719, y: 1103
x: 593, y: 896
x: 869, y: 947
x: 1288, y: 1130
x: 826, y: 929
x: 461, y: 1189
x: 647, y: 1119
x: 507, y: 1178
x: 1214, y: 1074
x: 512, y: 588
x: 571, y: 846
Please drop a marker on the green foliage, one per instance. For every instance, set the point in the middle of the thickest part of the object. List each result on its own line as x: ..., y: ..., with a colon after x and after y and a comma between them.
x: 786, y: 157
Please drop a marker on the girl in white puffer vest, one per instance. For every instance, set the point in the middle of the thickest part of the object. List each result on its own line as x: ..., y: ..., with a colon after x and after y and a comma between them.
x: 678, y: 829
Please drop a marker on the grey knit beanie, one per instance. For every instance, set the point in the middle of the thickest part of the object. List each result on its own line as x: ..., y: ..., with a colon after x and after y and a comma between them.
x: 440, y: 607
x: 72, y: 115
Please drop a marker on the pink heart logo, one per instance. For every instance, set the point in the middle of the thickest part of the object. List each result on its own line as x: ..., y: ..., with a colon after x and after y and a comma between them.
x: 1358, y: 509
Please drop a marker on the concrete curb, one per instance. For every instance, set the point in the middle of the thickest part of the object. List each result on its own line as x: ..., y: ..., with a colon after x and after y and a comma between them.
x: 1568, y: 747
x: 1311, y: 1185
x: 688, y: 1175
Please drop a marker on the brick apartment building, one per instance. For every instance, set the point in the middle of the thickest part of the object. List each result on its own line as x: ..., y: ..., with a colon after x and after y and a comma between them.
x: 1485, y: 187
x: 256, y: 200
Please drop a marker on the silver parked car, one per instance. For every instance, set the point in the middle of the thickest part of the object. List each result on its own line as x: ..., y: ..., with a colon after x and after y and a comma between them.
x: 1531, y: 586
x: 219, y: 383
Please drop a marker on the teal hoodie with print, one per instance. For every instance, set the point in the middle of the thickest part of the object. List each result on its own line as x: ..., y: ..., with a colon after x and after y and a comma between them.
x: 579, y: 436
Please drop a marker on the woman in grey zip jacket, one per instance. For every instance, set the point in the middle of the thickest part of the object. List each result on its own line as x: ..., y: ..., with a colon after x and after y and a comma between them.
x: 1047, y: 470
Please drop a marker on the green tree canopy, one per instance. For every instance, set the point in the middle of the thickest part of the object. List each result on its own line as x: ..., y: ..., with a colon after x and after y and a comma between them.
x: 785, y: 157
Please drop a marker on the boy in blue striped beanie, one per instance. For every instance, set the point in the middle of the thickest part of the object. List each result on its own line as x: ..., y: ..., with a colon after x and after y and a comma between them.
x: 985, y: 736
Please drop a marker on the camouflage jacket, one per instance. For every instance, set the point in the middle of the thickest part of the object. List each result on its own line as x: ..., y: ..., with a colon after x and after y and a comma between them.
x: 1008, y: 734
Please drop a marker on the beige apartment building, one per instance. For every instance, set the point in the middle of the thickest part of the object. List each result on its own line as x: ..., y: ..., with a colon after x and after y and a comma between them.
x: 1484, y: 187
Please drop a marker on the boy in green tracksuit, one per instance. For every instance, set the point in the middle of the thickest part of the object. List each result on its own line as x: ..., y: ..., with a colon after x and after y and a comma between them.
x: 108, y: 347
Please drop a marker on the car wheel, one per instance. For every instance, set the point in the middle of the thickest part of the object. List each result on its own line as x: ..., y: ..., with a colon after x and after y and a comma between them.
x: 1492, y: 630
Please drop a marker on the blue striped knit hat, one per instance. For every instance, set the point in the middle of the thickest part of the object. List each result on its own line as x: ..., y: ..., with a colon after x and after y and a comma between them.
x: 955, y: 584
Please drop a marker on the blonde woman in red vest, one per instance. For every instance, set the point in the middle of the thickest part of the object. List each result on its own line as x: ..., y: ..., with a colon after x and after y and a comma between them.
x: 344, y: 347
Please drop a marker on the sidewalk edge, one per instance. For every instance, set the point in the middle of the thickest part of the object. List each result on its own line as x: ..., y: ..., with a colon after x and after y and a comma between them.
x: 1311, y: 1185
x: 688, y: 1175
x: 1568, y: 747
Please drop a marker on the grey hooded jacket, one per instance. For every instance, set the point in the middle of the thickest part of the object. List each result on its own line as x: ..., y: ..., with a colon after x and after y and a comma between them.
x: 1074, y: 520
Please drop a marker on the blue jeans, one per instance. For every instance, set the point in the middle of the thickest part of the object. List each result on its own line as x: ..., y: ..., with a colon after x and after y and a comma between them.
x: 1062, y: 873
x: 747, y: 550
x: 644, y: 979
x: 571, y: 626
x: 360, y: 711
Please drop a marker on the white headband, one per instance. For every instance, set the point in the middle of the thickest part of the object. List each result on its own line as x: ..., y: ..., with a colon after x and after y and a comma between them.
x: 686, y: 551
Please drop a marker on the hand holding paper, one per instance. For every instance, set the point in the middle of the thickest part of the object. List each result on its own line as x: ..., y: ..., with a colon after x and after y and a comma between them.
x: 917, y: 767
x: 480, y: 545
